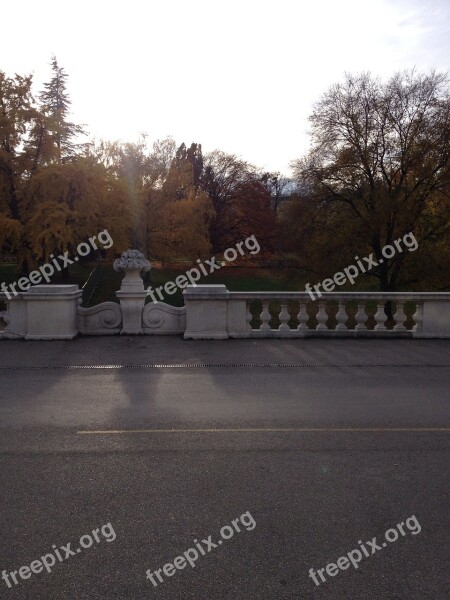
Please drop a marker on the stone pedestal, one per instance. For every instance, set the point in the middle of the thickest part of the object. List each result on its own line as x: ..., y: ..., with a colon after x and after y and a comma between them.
x: 15, y: 317
x: 436, y: 319
x: 51, y: 312
x: 132, y: 293
x: 206, y: 312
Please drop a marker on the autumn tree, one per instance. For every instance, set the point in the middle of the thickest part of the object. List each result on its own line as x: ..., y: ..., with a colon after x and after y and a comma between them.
x: 160, y: 160
x: 241, y: 201
x: 17, y: 115
x: 142, y: 170
x: 66, y: 204
x: 379, y: 166
x: 48, y: 203
x: 181, y: 210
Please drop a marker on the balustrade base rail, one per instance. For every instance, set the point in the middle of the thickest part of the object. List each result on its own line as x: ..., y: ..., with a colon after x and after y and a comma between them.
x: 329, y: 333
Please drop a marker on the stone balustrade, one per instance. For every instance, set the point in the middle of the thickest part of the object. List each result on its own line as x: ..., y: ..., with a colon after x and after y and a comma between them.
x: 212, y: 312
x: 52, y: 312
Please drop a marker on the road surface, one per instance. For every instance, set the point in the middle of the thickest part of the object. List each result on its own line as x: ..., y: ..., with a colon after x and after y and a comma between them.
x: 312, y: 447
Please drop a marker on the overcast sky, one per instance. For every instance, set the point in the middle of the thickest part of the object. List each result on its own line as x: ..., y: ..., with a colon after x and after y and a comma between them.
x: 238, y: 75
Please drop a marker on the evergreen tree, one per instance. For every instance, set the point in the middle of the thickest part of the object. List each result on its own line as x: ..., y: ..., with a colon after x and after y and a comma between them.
x: 186, y: 170
x: 55, y: 105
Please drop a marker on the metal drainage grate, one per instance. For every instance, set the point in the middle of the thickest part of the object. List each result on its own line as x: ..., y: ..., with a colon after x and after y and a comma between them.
x: 217, y: 365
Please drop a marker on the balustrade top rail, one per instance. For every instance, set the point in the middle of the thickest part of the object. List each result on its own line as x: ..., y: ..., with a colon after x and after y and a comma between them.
x: 255, y: 295
x: 404, y: 296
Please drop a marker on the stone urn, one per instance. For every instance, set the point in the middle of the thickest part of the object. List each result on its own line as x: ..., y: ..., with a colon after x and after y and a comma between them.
x: 132, y: 293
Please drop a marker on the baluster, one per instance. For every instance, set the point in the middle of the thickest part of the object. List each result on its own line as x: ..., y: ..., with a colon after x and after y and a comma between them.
x: 341, y: 317
x: 400, y: 316
x: 7, y: 316
x: 418, y: 316
x: 302, y: 317
x: 249, y: 317
x: 361, y: 316
x: 265, y: 317
x: 380, y: 318
x: 284, y: 318
x: 321, y: 317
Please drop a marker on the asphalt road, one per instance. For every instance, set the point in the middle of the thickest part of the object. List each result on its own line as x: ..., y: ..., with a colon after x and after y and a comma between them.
x: 321, y: 444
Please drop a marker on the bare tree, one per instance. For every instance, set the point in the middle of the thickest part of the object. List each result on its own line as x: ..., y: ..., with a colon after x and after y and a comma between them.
x: 381, y: 155
x: 279, y: 186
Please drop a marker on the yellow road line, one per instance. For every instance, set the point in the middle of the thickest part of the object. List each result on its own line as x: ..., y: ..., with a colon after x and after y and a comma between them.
x: 272, y: 430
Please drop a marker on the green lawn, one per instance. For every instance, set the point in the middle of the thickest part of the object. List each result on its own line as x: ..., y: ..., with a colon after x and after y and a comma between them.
x: 78, y: 274
x: 235, y: 278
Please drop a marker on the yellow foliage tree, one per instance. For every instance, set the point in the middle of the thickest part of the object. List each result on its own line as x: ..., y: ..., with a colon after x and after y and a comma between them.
x: 179, y: 213
x: 10, y: 233
x: 179, y: 228
x: 68, y: 203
